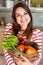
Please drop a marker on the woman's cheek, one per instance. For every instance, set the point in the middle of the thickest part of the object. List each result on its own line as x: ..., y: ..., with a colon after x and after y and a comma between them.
x: 28, y: 18
x: 19, y: 21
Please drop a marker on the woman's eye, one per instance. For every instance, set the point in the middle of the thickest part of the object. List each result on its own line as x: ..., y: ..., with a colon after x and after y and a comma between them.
x: 25, y: 13
x: 17, y: 15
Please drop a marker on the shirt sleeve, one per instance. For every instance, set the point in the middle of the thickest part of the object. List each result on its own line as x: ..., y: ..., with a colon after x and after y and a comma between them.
x: 37, y: 38
x: 9, y: 59
x: 8, y: 30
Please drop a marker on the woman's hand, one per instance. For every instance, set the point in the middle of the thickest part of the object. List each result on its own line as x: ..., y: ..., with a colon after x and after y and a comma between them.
x: 20, y: 62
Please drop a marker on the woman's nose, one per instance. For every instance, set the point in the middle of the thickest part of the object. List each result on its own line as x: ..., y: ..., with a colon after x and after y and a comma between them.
x: 22, y: 17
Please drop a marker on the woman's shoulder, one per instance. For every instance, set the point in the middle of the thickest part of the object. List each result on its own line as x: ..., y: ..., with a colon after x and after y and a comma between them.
x: 36, y: 30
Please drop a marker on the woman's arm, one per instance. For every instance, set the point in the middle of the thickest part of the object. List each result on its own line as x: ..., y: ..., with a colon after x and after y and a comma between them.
x: 37, y: 38
x: 9, y: 59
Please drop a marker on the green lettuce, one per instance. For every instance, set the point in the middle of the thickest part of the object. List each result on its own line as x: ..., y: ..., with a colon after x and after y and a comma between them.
x: 10, y: 42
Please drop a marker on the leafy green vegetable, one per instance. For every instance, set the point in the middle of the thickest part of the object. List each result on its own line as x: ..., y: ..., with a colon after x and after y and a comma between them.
x: 34, y: 45
x: 9, y: 42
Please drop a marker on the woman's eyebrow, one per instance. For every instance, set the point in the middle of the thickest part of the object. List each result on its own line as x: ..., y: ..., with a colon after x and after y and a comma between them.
x: 17, y: 13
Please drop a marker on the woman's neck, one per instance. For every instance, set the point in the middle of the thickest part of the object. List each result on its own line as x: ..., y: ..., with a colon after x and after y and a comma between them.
x: 23, y: 28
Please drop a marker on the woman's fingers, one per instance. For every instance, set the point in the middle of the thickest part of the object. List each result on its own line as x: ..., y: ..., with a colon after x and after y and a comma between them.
x: 20, y: 62
x: 21, y: 58
x: 25, y: 59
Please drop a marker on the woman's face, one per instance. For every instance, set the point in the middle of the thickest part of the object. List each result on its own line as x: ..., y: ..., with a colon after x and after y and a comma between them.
x: 22, y: 17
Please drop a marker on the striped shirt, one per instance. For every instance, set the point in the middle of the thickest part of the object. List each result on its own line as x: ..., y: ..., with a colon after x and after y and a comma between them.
x: 36, y: 37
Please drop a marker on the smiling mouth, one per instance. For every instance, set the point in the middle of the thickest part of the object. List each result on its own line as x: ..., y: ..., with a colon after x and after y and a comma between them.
x: 24, y: 20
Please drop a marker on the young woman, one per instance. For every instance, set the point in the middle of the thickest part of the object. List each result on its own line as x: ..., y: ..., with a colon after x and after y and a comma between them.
x: 22, y: 25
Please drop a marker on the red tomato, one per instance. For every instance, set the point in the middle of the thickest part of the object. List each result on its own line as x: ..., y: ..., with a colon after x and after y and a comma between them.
x: 21, y: 47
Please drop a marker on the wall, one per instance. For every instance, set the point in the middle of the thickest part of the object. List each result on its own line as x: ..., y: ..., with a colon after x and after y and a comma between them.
x: 37, y: 16
x: 5, y: 13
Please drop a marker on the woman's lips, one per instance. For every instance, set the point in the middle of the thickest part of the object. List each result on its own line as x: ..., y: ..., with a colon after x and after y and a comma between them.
x: 24, y: 20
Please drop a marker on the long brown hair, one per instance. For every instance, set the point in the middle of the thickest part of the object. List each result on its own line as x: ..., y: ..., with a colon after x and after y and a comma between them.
x: 16, y: 26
